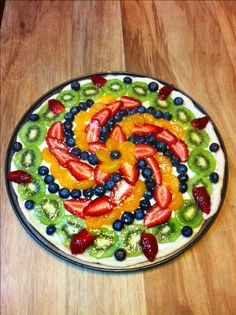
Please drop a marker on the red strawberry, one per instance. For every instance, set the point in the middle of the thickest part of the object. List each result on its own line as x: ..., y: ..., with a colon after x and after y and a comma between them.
x: 19, y: 177
x: 180, y: 150
x: 129, y: 172
x: 200, y: 123
x: 121, y: 191
x: 80, y: 242
x: 56, y: 107
x: 166, y: 136
x: 163, y: 196
x: 156, y: 216
x: 102, y: 116
x: 94, y: 146
x: 156, y: 169
x: 143, y: 151
x: 118, y: 134
x: 63, y: 156
x: 202, y: 199
x: 76, y: 207
x: 56, y: 143
x: 56, y: 131
x: 115, y: 107
x: 99, y: 206
x: 129, y: 102
x: 92, y: 131
x: 99, y: 176
x: 80, y: 170
x: 146, y: 129
x: 149, y: 246
x: 98, y: 80
x: 165, y: 92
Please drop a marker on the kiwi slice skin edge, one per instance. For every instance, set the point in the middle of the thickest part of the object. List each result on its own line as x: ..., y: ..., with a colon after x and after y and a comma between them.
x: 201, y: 162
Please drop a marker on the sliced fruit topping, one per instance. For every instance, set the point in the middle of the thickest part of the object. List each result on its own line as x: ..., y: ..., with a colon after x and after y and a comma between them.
x: 200, y: 123
x: 102, y: 116
x: 129, y: 172
x: 168, y: 232
x: 19, y: 177
x: 146, y: 129
x: 63, y: 156
x: 118, y: 134
x: 56, y: 143
x: 98, y: 80
x: 149, y: 246
x: 76, y: 207
x: 32, y: 190
x: 129, y: 102
x: 99, y: 176
x: 163, y: 196
x: 32, y: 133
x: 80, y: 242
x: 201, y: 162
x: 130, y: 239
x: 80, y: 170
x: 92, y: 131
x: 189, y: 214
x: 121, y: 191
x: 114, y: 107
x: 166, y: 136
x: 99, y: 206
x: 180, y: 150
x: 56, y: 131
x: 156, y: 169
x: 105, y: 243
x: 115, y: 87
x: 202, y: 199
x: 143, y: 151
x: 55, y: 106
x: 165, y: 91
x: 95, y: 146
x: 156, y: 216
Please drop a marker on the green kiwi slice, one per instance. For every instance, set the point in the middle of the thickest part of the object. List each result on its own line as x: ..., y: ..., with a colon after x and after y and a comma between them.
x: 130, y: 239
x: 197, y: 181
x: 168, y: 232
x: 49, y: 209
x: 90, y: 91
x: 28, y: 159
x: 32, y: 133
x: 189, y: 214
x: 164, y: 106
x: 68, y: 226
x: 32, y: 190
x: 69, y: 98
x: 105, y: 243
x: 139, y: 91
x: 115, y: 87
x: 183, y: 115
x: 47, y: 117
x: 201, y: 162
x: 196, y: 138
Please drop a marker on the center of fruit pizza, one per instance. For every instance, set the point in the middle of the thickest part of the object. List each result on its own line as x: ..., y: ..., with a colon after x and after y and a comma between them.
x: 117, y: 170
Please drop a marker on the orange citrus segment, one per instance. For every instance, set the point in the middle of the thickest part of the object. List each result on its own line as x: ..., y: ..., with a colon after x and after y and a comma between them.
x: 171, y: 181
x: 164, y: 163
x: 112, y: 144
x: 48, y: 157
x: 177, y: 130
x: 103, y: 155
x: 176, y: 202
x: 106, y: 99
x: 95, y: 108
x: 111, y: 166
x: 81, y: 141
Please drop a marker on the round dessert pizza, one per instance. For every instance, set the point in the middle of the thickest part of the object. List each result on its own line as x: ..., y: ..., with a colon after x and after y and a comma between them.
x: 116, y: 171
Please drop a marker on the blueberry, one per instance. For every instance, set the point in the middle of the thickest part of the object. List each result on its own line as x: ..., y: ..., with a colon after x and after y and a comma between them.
x: 147, y: 172
x: 178, y: 101
x: 64, y: 193
x: 43, y: 170
x: 150, y: 139
x: 148, y: 194
x: 161, y: 146
x: 150, y: 183
x: 53, y: 188
x: 76, y: 151
x: 150, y: 110
x: 117, y: 117
x: 141, y: 109
x: 131, y: 111
x: 153, y: 86
x: 93, y: 160
x: 33, y: 117
x: 214, y: 177
x: 187, y: 231
x: 182, y: 169
x: 74, y: 110
x: 48, y: 179
x: 51, y: 229
x: 183, y: 187
x: 70, y: 142
x: 99, y: 190
x: 183, y: 178
x: 141, y: 140
x: 89, y: 103
x: 110, y: 123
x: 145, y: 204
x: 75, y: 85
x: 158, y: 114
x: 17, y: 146
x: 115, y: 155
x: 122, y: 113
x: 120, y: 254
x: 214, y: 147
x: 75, y: 194
x: 141, y: 164
x: 69, y: 116
x: 68, y: 133
x: 131, y: 139
x: 127, y: 217
x: 84, y: 155
x: 118, y: 225
x: 168, y: 153
x: 29, y: 204
x: 102, y: 138
x: 139, y: 214
x: 88, y: 193
x: 127, y: 80
x: 116, y: 177
x: 83, y: 105
x: 67, y: 125
x: 167, y: 116
x: 175, y: 161
x: 109, y: 184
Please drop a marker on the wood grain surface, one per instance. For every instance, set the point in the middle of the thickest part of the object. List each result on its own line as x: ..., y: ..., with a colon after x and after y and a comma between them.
x: 191, y: 44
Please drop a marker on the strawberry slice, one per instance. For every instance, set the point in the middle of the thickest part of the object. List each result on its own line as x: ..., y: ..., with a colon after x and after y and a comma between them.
x: 92, y: 131
x: 114, y: 107
x: 156, y: 216
x: 200, y: 123
x: 146, y: 129
x: 118, y: 134
x: 98, y: 80
x: 19, y: 177
x: 56, y: 131
x: 102, y: 116
x: 76, y: 207
x: 63, y: 156
x: 180, y: 150
x: 56, y: 143
x: 166, y: 136
x: 129, y: 172
x: 121, y: 191
x: 149, y: 246
x: 156, y: 169
x: 163, y: 196
x: 202, y: 199
x: 165, y: 91
x: 143, y: 151
x: 56, y: 107
x: 94, y: 146
x: 81, y: 241
x: 80, y: 170
x: 99, y: 206
x: 129, y: 102
x: 100, y: 177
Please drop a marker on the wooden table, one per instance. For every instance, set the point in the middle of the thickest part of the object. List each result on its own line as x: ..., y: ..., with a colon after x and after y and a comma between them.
x: 191, y: 44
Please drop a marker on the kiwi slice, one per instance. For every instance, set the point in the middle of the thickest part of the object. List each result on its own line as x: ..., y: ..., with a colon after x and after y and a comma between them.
x: 47, y: 117
x: 69, y: 98
x: 197, y: 181
x: 32, y: 190
x: 115, y: 87
x: 164, y: 106
x: 139, y: 91
x: 68, y: 226
x: 189, y: 214
x: 183, y: 115
x: 130, y: 239
x: 28, y: 159
x: 49, y: 209
x: 196, y: 138
x: 201, y: 162
x: 90, y: 91
x: 32, y: 133
x: 105, y: 243
x: 168, y: 232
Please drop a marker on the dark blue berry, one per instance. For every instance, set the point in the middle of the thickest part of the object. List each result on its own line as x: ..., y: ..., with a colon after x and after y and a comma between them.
x: 29, y: 204
x: 68, y: 133
x: 83, y: 105
x: 99, y: 190
x: 214, y: 177
x: 118, y: 117
x: 115, y: 155
x: 183, y: 178
x: 148, y: 194
x: 74, y: 110
x: 88, y: 193
x: 43, y: 170
x: 140, y: 140
x: 141, y: 109
x: 182, y: 169
x: 139, y: 214
x: 153, y: 86
x: 102, y: 138
x: 120, y: 254
x: 33, y: 117
x: 70, y: 142
x: 131, y: 138
x: 75, y: 194
x: 64, y: 193
x: 183, y: 187
x: 145, y: 204
x: 17, y: 146
x: 141, y: 164
x: 150, y: 110
x: 93, y: 160
x: 161, y: 146
x: 127, y: 80
x: 89, y: 103
x: 147, y: 172
x: 51, y: 229
x: 214, y: 147
x: 69, y: 116
x: 178, y: 101
x: 131, y: 111
x: 158, y: 114
x: 150, y: 183
x: 48, y: 179
x: 167, y: 116
x: 168, y: 153
x: 118, y: 225
x: 110, y: 123
x: 53, y: 188
x: 84, y: 155
x: 127, y: 217
x: 67, y: 125
x: 122, y: 113
x: 174, y: 160
x: 76, y: 151
x: 150, y: 139
x: 187, y: 231
x: 116, y: 177
x: 75, y: 85
x: 109, y: 184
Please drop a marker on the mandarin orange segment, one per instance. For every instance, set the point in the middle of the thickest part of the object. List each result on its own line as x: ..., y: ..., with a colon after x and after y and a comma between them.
x: 84, y: 184
x: 107, y: 220
x: 164, y: 163
x: 96, y: 107
x: 83, y: 118
x: 112, y: 144
x: 171, y: 181
x: 93, y: 223
x: 149, y: 118
x: 81, y: 142
x: 106, y: 99
x: 177, y: 201
x: 132, y: 202
x: 110, y: 167
x: 103, y: 155
x: 127, y: 126
x: 138, y: 119
x: 177, y: 130
x: 162, y: 123
x: 48, y: 157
